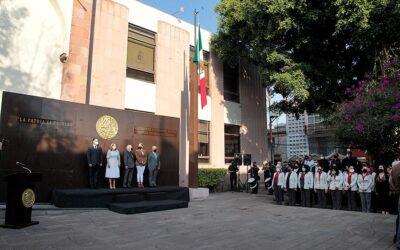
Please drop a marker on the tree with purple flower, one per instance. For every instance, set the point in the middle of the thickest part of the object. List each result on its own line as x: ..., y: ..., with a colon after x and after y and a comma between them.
x: 370, y: 119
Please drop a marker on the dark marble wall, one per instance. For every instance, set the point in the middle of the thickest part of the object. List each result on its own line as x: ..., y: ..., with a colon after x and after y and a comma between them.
x: 52, y: 138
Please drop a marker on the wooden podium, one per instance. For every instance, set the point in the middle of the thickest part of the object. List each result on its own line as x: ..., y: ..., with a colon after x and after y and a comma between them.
x: 20, y: 199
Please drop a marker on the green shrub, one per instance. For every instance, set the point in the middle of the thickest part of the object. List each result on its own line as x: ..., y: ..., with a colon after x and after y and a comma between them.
x: 211, y: 177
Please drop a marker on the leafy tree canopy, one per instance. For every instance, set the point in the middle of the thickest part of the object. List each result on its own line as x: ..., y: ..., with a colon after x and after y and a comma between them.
x: 309, y: 51
x: 371, y: 120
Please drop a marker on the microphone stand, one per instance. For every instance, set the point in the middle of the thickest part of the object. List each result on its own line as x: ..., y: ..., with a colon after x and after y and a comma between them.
x: 22, y: 165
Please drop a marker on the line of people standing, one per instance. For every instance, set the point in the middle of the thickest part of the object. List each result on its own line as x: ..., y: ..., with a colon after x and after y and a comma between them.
x: 310, y: 183
x: 133, y: 160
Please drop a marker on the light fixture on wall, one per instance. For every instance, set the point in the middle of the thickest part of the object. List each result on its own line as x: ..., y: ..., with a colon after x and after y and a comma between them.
x: 243, y: 130
x: 63, y: 57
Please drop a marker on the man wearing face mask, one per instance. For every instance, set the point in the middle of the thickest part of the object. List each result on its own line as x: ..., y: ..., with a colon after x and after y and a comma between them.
x: 324, y: 163
x: 291, y: 185
x: 351, y: 161
x: 94, y: 158
x: 297, y: 170
x: 309, y: 162
x: 336, y: 161
x: 153, y: 163
x: 129, y: 160
x: 350, y: 187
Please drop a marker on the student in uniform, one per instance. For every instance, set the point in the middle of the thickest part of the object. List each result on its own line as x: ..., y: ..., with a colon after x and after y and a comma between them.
x: 291, y: 185
x: 335, y: 180
x: 305, y: 183
x: 278, y: 183
x: 351, y: 188
x: 321, y: 186
x: 364, y: 183
x: 297, y: 170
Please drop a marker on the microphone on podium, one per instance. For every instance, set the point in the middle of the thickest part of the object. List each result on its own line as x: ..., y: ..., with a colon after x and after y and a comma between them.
x: 23, y: 165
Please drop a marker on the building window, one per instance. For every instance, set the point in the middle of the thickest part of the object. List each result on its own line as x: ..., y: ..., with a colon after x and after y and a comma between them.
x: 140, y: 56
x: 231, y: 83
x: 232, y: 142
x: 204, y: 142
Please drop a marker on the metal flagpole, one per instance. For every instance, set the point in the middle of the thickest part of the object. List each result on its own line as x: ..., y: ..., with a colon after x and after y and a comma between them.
x: 193, y: 120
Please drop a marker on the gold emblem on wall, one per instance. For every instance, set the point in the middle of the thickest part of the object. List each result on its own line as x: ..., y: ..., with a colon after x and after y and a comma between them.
x: 28, y: 198
x: 107, y: 127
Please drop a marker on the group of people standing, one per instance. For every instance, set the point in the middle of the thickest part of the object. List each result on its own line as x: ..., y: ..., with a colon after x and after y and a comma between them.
x: 310, y: 183
x: 132, y: 160
x: 340, y: 183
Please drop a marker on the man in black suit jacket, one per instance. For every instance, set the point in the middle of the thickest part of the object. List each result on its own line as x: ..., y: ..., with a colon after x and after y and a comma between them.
x: 94, y: 157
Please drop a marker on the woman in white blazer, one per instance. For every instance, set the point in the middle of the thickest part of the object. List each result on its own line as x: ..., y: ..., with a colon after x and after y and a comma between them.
x: 305, y: 183
x: 335, y: 183
x: 364, y: 183
x: 321, y: 186
x: 351, y: 188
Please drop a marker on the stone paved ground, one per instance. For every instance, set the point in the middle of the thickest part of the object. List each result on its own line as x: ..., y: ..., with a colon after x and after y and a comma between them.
x: 224, y: 221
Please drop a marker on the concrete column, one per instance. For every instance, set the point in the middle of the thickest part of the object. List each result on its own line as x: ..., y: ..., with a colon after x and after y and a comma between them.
x: 217, y: 137
x: 172, y: 85
x: 73, y: 83
x: 109, y: 55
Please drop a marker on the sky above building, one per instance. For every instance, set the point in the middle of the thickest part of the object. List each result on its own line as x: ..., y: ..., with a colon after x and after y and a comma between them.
x: 207, y: 15
x: 208, y: 20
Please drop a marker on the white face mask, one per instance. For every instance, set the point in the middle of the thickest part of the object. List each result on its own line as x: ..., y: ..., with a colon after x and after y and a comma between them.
x: 114, y: 147
x: 303, y: 169
x: 351, y: 170
x: 96, y: 143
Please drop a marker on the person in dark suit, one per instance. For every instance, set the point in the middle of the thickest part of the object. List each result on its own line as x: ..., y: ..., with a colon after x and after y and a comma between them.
x: 94, y: 157
x: 153, y: 164
x: 351, y: 161
x: 253, y: 171
x: 324, y: 163
x: 129, y: 161
x: 233, y: 169
x: 336, y: 161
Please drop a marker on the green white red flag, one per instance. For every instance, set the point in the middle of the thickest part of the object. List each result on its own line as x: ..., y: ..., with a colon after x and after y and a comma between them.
x: 198, y: 59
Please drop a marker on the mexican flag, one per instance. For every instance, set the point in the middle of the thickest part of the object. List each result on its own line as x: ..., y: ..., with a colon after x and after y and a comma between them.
x: 198, y: 59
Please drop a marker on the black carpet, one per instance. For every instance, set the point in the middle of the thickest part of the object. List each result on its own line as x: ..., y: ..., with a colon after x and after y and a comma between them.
x: 146, y: 206
x: 101, y: 198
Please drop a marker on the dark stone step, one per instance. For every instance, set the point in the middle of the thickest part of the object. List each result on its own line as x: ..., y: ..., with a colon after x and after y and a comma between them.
x: 157, y: 196
x: 146, y: 206
x: 128, y: 198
